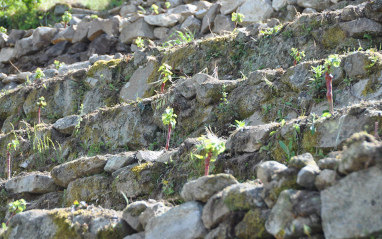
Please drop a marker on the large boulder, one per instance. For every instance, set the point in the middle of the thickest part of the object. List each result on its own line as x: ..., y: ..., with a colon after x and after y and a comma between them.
x: 358, y: 28
x: 136, y: 29
x: 43, y: 36
x: 204, y: 187
x: 183, y: 221
x: 351, y: 208
x: 255, y: 11
x: 65, y: 173
x: 34, y: 183
x: 81, y: 34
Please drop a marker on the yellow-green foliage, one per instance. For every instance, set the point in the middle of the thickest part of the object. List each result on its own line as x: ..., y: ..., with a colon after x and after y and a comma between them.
x: 101, y: 64
x: 139, y: 168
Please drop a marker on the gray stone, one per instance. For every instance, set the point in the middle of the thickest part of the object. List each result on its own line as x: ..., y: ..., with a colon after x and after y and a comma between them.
x: 67, y: 124
x: 309, y: 10
x: 326, y: 178
x: 253, y: 224
x: 95, y: 57
x: 266, y: 171
x: 111, y: 26
x: 249, y: 139
x: 148, y: 156
x: 244, y: 196
x: 24, y: 47
x: 132, y: 212
x: 6, y: 54
x: 175, y: 3
x: 43, y: 36
x: 14, y: 36
x: 88, y: 189
x: 293, y: 211
x: 306, y: 177
x: 204, y: 187
x: 60, y: 9
x: 102, y: 45
x: 191, y: 23
x: 362, y: 151
x: 49, y: 73
x: 66, y: 34
x: 137, y: 85
x: 10, y: 86
x: 201, y: 13
x: 229, y: 6
x: 2, y: 76
x: 3, y: 39
x: 318, y: 5
x: 185, y: 11
x: 167, y: 156
x: 72, y: 67
x: 300, y: 161
x: 126, y: 9
x: 351, y: 208
x: 255, y: 11
x: 279, y: 4
x: 328, y: 163
x: 220, y: 232
x: 139, y: 235
x: 209, y: 18
x: 153, y: 210
x: 162, y: 20
x: 117, y: 161
x: 33, y: 183
x: 95, y: 29
x: 183, y: 221
x: 11, y: 78
x: 223, y: 24
x: 74, y: 21
x: 354, y: 65
x: 138, y: 28
x: 352, y: 12
x: 358, y: 28
x: 65, y: 173
x: 161, y: 32
x: 58, y: 49
x: 43, y: 223
x: 209, y: 90
x: 24, y: 76
x: 81, y: 34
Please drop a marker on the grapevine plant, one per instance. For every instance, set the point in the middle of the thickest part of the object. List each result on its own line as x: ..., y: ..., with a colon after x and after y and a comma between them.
x: 169, y: 118
x: 166, y: 75
x: 332, y: 61
x: 41, y: 104
x: 13, y: 145
x: 212, y: 146
x: 297, y: 55
x: 14, y: 208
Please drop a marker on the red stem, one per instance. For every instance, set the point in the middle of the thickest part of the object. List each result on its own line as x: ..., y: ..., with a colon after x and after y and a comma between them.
x: 39, y: 113
x: 294, y: 62
x: 162, y: 87
x: 65, y: 24
x: 9, y: 164
x: 168, y: 136
x: 329, y: 92
x: 207, y: 163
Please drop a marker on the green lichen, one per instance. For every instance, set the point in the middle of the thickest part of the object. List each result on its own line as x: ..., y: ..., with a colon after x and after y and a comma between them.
x: 103, y: 64
x: 252, y: 226
x: 333, y: 36
x: 139, y: 168
x: 61, y: 220
x: 288, y: 183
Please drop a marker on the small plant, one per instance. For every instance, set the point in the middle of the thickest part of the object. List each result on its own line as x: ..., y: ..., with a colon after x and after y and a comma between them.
x: 14, y: 208
x: 140, y: 42
x: 167, y: 5
x: 39, y: 74
x: 267, y: 32
x: 57, y: 64
x: 169, y: 118
x: 224, y: 103
x: 239, y: 124
x: 332, y: 61
x: 297, y: 55
x: 237, y: 18
x: 141, y: 10
x: 41, y: 104
x: 167, y: 187
x: 155, y: 9
x: 316, y: 83
x: 186, y: 37
x: 13, y: 145
x: 212, y: 146
x: 93, y: 16
x: 66, y: 18
x: 374, y: 60
x: 3, y: 30
x: 166, y: 75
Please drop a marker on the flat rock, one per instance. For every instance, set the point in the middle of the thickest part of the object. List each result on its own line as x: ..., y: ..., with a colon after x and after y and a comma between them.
x: 34, y: 183
x: 229, y: 6
x: 117, y: 161
x: 65, y: 173
x: 255, y: 11
x: 67, y: 124
x: 326, y: 178
x: 300, y: 161
x: 204, y: 187
x: 358, y: 28
x: 139, y: 28
x: 6, y: 54
x: 162, y: 20
x: 148, y: 155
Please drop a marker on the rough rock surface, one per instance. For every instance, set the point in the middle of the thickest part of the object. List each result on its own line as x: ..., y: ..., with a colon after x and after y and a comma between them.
x: 33, y: 183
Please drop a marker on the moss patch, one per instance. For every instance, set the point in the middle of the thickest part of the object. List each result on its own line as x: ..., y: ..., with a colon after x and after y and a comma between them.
x: 103, y: 64
x: 252, y: 226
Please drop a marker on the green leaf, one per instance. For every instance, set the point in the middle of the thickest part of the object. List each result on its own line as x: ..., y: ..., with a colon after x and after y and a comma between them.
x: 272, y: 133
x: 284, y: 147
x: 4, y: 226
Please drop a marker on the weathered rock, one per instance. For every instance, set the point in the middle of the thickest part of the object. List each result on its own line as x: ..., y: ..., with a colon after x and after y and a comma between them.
x: 58, y: 49
x: 229, y: 6
x: 306, y: 177
x: 184, y: 11
x: 162, y: 20
x: 362, y: 151
x: 81, y: 34
x: 300, y: 161
x: 220, y: 232
x: 167, y: 156
x: 60, y: 9
x: 65, y: 173
x: 244, y: 196
x: 138, y: 28
x: 137, y: 85
x: 117, y: 161
x: 148, y: 156
x: 42, y: 36
x: 209, y: 90
x: 7, y: 53
x: 111, y: 26
x: 132, y: 212
x: 14, y: 36
x: 253, y: 224
x: 354, y: 65
x: 181, y: 221
x: 279, y: 4
x: 209, y: 18
x: 203, y: 188
x: 67, y: 124
x: 72, y: 67
x: 139, y: 235
x: 249, y: 138
x: 153, y: 210
x: 223, y: 24
x: 126, y: 9
x: 351, y: 208
x: 191, y: 23
x: 255, y: 11
x: 358, y: 28
x: 95, y: 29
x: 90, y: 223
x: 160, y: 32
x: 11, y: 78
x: 65, y: 35
x: 326, y: 178
x: 266, y: 171
x: 293, y: 211
x: 88, y: 189
x: 318, y: 5
x: 328, y: 163
x: 33, y: 183
x: 3, y: 39
x: 102, y: 45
